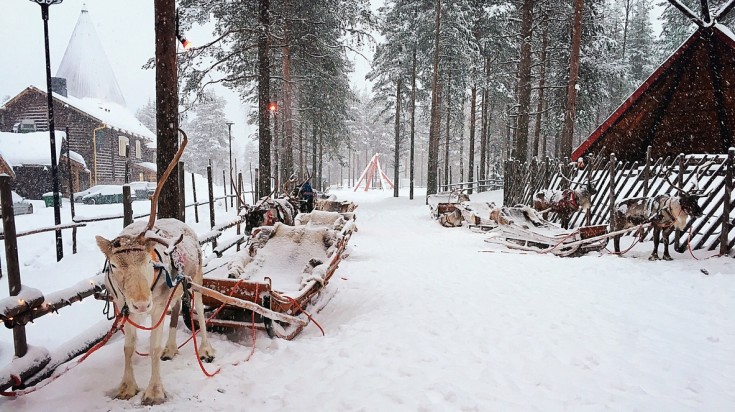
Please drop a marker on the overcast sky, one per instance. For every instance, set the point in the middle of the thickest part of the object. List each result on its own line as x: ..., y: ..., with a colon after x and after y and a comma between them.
x: 125, y: 29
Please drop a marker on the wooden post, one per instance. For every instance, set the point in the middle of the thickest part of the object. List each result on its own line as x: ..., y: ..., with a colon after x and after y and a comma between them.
x: 647, y: 173
x: 725, y: 231
x: 611, y: 187
x: 182, y: 194
x: 240, y: 196
x: 224, y: 183
x: 11, y: 255
x: 127, y: 206
x: 194, y: 192
x: 211, y: 200
x: 680, y: 182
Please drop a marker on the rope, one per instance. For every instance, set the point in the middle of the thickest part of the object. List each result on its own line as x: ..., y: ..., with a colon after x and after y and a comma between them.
x: 163, y: 314
x: 17, y: 381
x: 292, y: 300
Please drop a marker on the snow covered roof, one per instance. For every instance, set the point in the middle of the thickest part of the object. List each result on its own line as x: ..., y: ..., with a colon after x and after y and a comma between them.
x: 85, y: 67
x: 20, y: 149
x: 147, y: 165
x: 113, y: 115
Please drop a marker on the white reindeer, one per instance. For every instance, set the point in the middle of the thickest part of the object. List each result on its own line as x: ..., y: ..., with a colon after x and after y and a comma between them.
x: 138, y: 260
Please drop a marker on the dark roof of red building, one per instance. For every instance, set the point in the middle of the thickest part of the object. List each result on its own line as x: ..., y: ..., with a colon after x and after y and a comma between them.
x: 686, y: 106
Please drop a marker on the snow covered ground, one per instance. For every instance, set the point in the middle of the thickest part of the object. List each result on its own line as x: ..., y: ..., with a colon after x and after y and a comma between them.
x: 424, y: 319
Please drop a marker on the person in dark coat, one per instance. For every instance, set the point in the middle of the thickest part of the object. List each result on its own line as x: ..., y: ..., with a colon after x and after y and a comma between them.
x: 307, y: 195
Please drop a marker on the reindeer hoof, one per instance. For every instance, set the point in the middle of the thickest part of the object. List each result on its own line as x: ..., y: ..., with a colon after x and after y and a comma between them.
x: 653, y: 257
x: 127, y: 391
x: 667, y: 257
x: 154, y: 395
x: 169, y: 354
x: 206, y: 353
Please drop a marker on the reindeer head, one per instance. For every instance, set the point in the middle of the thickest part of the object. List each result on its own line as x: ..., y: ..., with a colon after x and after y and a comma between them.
x: 130, y: 271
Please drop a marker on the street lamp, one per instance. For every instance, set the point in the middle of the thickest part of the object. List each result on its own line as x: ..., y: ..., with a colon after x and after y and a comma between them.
x: 52, y: 138
x: 229, y: 133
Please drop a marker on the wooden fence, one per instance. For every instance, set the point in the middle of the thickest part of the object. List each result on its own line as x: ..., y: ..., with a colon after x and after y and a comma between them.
x: 616, y: 181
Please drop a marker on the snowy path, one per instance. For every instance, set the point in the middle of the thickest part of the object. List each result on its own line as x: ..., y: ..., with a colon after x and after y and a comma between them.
x: 422, y: 321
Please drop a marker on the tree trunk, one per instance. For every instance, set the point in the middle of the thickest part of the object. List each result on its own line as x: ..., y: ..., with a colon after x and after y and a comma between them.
x: 483, y: 131
x: 301, y: 151
x: 541, y: 83
x: 433, y: 161
x: 313, y: 155
x: 471, y: 163
x: 524, y: 81
x: 321, y: 162
x: 398, y: 134
x: 287, y: 120
x: 167, y: 107
x: 565, y: 145
x: 449, y: 122
x: 413, y: 121
x: 264, y: 135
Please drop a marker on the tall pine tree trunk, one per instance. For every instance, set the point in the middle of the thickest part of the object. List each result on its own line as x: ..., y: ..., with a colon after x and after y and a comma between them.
x: 483, y: 131
x: 264, y: 135
x: 287, y: 118
x: 524, y: 82
x: 541, y: 82
x: 565, y: 145
x: 313, y: 156
x: 473, y: 108
x: 167, y: 107
x: 398, y: 135
x: 449, y: 122
x: 433, y: 161
x: 413, y: 120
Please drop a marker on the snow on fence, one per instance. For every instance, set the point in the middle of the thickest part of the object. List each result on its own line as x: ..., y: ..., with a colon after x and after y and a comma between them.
x: 713, y: 174
x: 493, y: 183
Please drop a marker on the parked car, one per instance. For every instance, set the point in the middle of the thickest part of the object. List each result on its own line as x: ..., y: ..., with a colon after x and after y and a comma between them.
x: 142, y: 190
x: 79, y: 196
x: 20, y: 206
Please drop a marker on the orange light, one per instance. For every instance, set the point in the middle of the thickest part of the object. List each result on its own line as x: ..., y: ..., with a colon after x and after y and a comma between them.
x: 186, y: 44
x: 272, y: 106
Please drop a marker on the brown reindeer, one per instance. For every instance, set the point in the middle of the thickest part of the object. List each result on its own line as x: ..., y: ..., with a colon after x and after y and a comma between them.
x: 565, y: 202
x: 139, y: 261
x: 664, y: 212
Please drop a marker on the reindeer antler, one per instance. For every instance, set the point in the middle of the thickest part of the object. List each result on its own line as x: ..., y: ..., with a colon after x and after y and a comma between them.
x: 166, y: 173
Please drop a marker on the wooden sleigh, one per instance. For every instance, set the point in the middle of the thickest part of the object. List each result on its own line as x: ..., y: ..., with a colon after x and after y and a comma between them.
x: 522, y: 228
x: 277, y: 278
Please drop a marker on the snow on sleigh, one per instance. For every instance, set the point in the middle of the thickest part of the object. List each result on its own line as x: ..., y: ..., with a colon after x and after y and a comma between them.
x: 444, y: 207
x: 278, y: 279
x: 523, y: 228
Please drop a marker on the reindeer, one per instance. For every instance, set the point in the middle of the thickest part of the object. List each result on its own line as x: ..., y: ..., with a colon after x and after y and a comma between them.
x: 565, y: 202
x: 166, y: 246
x: 664, y: 212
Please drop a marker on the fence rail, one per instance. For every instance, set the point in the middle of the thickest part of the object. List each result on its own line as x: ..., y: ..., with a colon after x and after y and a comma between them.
x: 615, y: 181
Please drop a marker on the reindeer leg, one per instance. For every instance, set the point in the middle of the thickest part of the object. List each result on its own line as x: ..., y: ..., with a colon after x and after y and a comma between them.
x: 154, y: 393
x: 665, y: 236
x: 171, y: 348
x: 656, y: 235
x: 128, y: 388
x: 616, y: 243
x: 206, y: 351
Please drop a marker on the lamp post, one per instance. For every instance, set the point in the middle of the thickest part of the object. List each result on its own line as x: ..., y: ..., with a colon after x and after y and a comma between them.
x: 52, y: 138
x: 229, y: 133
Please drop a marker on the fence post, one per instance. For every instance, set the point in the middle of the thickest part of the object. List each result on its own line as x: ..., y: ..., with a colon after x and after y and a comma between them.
x: 194, y: 191
x: 11, y: 256
x: 182, y: 192
x: 224, y: 184
x: 647, y: 173
x: 211, y: 201
x: 127, y: 206
x: 611, y: 167
x: 725, y: 231
x: 680, y: 183
x: 240, y: 196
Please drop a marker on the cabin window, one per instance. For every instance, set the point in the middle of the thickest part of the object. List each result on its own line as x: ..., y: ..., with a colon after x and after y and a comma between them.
x: 123, y: 144
x: 138, y: 152
x: 141, y: 177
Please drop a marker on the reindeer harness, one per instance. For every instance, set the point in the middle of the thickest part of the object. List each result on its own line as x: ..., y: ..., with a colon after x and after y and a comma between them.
x: 567, y: 203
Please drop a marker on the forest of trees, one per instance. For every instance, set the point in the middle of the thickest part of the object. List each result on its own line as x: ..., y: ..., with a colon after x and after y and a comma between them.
x: 458, y: 86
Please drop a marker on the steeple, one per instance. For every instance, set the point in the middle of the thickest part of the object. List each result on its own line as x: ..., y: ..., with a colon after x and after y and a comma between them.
x: 85, y: 66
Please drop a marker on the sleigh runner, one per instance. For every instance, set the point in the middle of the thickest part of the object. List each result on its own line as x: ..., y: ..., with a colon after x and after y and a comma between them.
x: 279, y: 277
